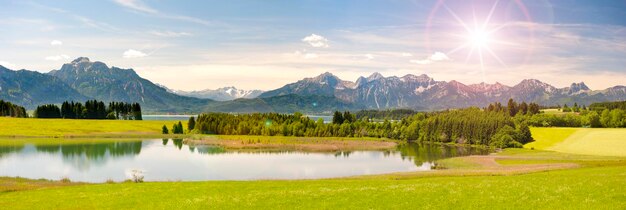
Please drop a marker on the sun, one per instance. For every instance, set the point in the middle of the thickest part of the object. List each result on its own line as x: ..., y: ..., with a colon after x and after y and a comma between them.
x: 479, y: 38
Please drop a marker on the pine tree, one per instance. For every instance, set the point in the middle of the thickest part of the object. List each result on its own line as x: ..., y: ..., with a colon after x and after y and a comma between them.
x: 191, y: 124
x: 164, y: 130
x: 337, y: 118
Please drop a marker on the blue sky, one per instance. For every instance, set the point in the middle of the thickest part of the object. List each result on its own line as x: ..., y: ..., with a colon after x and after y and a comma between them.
x: 265, y: 44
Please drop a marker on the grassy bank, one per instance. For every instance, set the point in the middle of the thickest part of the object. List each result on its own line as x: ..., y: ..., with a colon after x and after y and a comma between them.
x: 583, y: 188
x: 514, y: 178
x: 32, y: 127
x: 312, y: 144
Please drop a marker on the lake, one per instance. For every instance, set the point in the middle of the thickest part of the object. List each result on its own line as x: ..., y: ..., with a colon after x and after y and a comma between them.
x: 171, y: 160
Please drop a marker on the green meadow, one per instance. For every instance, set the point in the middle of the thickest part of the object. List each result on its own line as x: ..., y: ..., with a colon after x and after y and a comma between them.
x: 33, y: 127
x: 567, y: 168
x: 589, y: 141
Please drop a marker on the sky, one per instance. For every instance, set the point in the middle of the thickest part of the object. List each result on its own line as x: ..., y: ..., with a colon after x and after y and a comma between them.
x: 195, y: 45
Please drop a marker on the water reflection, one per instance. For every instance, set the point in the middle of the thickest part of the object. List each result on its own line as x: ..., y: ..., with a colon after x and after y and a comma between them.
x: 427, y: 153
x: 171, y: 159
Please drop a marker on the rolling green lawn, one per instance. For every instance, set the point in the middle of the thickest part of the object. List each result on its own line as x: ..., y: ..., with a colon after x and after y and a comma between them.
x: 32, y: 127
x: 514, y: 178
x: 585, y: 188
x: 589, y: 141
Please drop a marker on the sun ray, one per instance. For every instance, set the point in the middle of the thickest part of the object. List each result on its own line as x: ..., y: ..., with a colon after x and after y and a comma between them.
x: 493, y: 8
x: 458, y: 48
x: 495, y: 56
x: 458, y: 19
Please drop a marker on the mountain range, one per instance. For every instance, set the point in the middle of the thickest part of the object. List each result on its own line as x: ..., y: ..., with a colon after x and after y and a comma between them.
x: 220, y: 94
x: 425, y: 93
x: 83, y: 79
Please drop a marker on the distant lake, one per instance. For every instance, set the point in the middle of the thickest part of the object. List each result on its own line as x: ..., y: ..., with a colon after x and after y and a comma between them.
x: 171, y: 160
x: 327, y: 119
x: 167, y: 117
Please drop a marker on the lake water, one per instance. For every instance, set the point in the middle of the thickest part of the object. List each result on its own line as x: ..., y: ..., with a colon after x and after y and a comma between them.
x: 168, y: 117
x: 171, y: 160
x: 326, y: 118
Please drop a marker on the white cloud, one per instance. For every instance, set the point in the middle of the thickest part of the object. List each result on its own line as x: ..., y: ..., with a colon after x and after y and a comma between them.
x: 57, y: 57
x: 130, y: 53
x: 56, y: 43
x: 316, y: 41
x: 406, y: 54
x: 435, y: 57
x: 7, y: 64
x: 136, y: 5
x: 439, y: 56
x: 421, y: 62
x: 169, y: 33
x: 310, y: 56
x: 369, y: 56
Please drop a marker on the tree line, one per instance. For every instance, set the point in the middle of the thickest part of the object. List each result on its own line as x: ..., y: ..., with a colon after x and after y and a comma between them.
x: 597, y: 115
x: 8, y: 109
x: 92, y: 109
x: 390, y: 114
x: 466, y: 126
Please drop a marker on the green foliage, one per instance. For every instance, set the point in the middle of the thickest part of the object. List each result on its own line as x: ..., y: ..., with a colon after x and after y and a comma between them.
x: 92, y: 109
x: 504, y: 138
x: 599, y: 107
x: 606, y: 118
x: 467, y: 126
x: 164, y: 130
x: 7, y: 109
x: 337, y: 118
x: 392, y: 114
x: 177, y: 128
x: 513, y: 108
x: 47, y: 111
x: 192, y: 123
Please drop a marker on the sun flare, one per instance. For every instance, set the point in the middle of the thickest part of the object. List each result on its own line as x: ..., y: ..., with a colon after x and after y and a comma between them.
x: 479, y: 38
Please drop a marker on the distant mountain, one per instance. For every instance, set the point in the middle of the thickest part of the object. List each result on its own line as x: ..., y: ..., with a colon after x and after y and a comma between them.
x: 97, y: 80
x: 221, y: 94
x: 423, y: 92
x: 31, y: 88
x: 284, y: 104
x: 83, y: 79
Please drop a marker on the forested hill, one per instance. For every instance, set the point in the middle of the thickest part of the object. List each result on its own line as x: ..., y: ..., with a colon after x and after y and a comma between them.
x: 97, y: 80
x: 31, y: 88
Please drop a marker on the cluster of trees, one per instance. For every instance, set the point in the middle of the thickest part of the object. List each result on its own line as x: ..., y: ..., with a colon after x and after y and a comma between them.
x: 8, y: 109
x: 513, y: 108
x: 177, y: 128
x: 474, y: 126
x: 574, y: 108
x: 468, y: 126
x: 391, y: 114
x: 599, y: 107
x: 92, y: 109
x: 607, y: 118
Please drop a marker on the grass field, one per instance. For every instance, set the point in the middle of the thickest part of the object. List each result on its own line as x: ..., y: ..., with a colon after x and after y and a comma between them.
x: 589, y: 141
x: 585, y: 188
x: 575, y: 174
x: 32, y: 127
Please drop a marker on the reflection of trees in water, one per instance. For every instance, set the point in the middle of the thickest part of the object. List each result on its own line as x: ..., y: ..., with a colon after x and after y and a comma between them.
x: 425, y: 152
x: 6, y: 150
x: 343, y: 154
x: 83, y: 156
x: 178, y: 143
x: 208, y: 150
x: 165, y: 141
